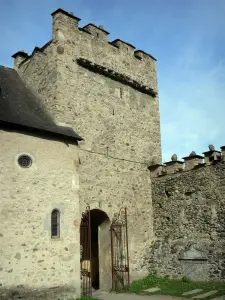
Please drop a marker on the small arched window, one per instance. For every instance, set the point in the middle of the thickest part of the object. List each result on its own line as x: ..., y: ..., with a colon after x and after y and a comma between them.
x: 55, y: 223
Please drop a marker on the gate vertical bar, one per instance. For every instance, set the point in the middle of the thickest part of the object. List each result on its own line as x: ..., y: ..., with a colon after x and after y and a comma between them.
x: 85, y: 243
x: 112, y: 258
x: 128, y: 265
x: 90, y: 256
x: 120, y: 251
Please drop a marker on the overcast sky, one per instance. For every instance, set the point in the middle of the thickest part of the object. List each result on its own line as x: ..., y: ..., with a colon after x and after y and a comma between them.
x: 186, y: 36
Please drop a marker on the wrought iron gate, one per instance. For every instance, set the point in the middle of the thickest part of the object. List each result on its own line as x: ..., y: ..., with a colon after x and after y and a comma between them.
x: 85, y: 255
x: 119, y: 252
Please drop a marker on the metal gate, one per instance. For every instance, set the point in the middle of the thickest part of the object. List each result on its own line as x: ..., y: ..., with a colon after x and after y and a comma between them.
x: 85, y: 255
x: 119, y: 252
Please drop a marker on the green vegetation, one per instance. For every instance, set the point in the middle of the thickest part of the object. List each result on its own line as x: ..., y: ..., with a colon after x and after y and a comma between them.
x: 175, y: 287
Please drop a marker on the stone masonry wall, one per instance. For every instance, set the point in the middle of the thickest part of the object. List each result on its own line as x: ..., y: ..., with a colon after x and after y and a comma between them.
x: 107, y: 113
x: 118, y: 123
x: 122, y: 118
x: 115, y: 184
x: 33, y: 265
x: 38, y: 70
x: 115, y: 110
x: 189, y: 224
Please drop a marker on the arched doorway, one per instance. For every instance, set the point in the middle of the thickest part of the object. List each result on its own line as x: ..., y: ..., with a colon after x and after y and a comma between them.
x: 96, y: 249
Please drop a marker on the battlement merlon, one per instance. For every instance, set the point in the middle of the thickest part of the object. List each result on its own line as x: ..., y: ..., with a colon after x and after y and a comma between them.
x: 96, y: 31
x: 123, y: 45
x: 192, y: 160
x: 223, y: 152
x: 19, y: 57
x: 62, y: 21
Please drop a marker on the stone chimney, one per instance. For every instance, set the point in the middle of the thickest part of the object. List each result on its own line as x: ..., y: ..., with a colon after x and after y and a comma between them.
x: 212, y: 155
x: 192, y: 160
x: 174, y: 165
x: 19, y: 57
x: 64, y: 25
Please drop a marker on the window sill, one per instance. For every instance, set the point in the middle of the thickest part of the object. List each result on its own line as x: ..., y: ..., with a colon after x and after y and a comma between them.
x: 56, y: 238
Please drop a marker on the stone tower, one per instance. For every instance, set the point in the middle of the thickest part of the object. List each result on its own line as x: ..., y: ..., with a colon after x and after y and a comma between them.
x: 107, y: 92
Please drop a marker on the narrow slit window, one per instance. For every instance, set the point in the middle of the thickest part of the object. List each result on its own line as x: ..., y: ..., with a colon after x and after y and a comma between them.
x: 121, y: 93
x: 55, y: 223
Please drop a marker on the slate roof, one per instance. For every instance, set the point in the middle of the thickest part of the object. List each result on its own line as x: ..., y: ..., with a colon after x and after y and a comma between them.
x: 20, y: 106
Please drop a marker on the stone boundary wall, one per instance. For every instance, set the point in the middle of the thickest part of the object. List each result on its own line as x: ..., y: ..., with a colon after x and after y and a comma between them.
x: 189, y: 223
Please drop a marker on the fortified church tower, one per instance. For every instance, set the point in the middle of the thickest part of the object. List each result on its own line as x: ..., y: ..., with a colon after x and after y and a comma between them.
x: 99, y: 100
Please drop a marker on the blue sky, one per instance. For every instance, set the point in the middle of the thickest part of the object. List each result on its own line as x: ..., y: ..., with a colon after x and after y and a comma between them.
x: 186, y: 36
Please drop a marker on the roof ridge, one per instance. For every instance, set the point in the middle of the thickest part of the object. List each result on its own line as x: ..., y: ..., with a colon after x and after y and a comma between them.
x: 1, y: 66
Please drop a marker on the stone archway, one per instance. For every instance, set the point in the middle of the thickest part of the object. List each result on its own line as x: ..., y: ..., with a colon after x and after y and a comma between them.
x: 100, y: 250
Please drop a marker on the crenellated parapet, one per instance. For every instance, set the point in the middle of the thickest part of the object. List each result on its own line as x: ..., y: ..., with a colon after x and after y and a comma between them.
x: 62, y: 21
x: 91, y: 42
x: 191, y: 162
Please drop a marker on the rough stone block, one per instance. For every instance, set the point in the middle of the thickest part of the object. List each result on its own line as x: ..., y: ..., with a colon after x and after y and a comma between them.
x: 196, y: 291
x: 207, y: 294
x: 219, y: 298
x: 153, y: 289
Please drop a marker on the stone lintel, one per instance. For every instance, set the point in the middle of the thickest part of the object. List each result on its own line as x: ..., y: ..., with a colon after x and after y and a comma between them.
x: 62, y: 11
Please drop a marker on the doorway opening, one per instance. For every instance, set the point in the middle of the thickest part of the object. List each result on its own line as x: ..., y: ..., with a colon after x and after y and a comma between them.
x: 104, y: 251
x: 100, y: 246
